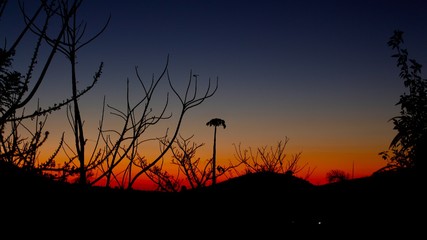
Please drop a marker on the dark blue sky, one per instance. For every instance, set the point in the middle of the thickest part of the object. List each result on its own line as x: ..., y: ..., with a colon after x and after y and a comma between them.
x: 318, y: 72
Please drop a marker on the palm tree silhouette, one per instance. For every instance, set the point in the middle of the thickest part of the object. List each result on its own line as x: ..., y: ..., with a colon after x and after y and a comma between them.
x: 216, y: 122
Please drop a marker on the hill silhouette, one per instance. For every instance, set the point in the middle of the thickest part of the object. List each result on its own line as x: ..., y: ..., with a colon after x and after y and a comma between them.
x: 267, y: 200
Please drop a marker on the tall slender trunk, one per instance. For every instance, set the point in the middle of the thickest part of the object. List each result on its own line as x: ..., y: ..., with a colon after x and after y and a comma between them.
x: 78, y: 123
x: 214, y: 159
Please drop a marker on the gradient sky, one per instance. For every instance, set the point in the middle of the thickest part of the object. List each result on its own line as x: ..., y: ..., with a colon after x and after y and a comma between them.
x: 317, y: 72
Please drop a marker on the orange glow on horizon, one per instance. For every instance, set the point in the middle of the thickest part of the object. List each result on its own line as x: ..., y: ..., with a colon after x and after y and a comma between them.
x: 316, y: 165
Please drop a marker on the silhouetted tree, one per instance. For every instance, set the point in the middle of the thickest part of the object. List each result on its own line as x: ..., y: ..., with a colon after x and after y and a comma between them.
x: 112, y: 146
x: 191, y: 170
x: 71, y: 43
x: 270, y: 159
x: 125, y: 146
x: 337, y: 175
x: 216, y: 122
x: 409, y: 146
x: 18, y: 90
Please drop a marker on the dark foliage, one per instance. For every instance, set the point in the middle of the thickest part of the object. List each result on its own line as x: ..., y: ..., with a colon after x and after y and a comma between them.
x: 409, y: 146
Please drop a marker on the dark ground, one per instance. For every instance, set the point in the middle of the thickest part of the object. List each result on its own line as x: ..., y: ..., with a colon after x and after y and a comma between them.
x: 259, y: 205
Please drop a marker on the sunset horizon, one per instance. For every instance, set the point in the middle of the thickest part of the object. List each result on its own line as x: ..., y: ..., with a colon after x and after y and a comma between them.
x: 317, y: 74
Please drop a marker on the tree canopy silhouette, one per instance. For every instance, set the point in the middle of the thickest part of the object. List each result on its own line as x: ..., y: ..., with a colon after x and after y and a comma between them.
x: 409, y: 146
x: 216, y: 122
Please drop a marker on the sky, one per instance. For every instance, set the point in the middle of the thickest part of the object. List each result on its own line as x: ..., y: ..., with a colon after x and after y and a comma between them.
x: 319, y: 73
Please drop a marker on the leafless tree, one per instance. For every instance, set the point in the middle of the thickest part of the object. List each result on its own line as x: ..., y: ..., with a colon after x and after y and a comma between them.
x: 192, y: 171
x: 337, y: 175
x: 124, y: 146
x: 18, y: 90
x: 69, y: 44
x: 270, y: 159
x: 113, y: 147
